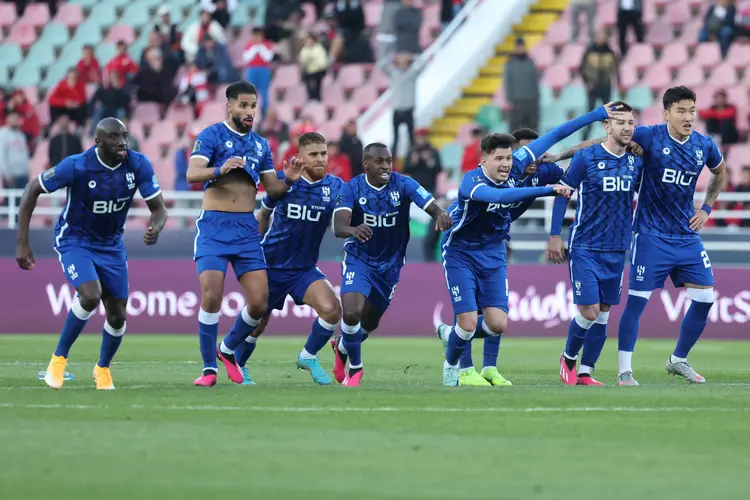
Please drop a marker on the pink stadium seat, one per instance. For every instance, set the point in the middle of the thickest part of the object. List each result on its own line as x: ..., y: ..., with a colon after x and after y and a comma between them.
x: 557, y: 77
x: 739, y: 96
x: 330, y: 130
x: 309, y: 17
x: 42, y: 111
x: 543, y: 56
x: 363, y: 97
x: 640, y: 55
x: 572, y: 55
x: 652, y: 115
x: 214, y: 111
x: 707, y: 55
x: 147, y: 112
x: 36, y: 14
x: 628, y: 76
x: 499, y: 97
x: 315, y: 110
x: 165, y: 134
x: 426, y: 36
x: 40, y: 159
x: 649, y: 12
x: 738, y: 156
x: 236, y: 49
x: 558, y: 34
x: 739, y: 55
x: 704, y: 95
x: 606, y: 14
x: 7, y: 14
x: 659, y: 33
x: 674, y: 55
x: 690, y: 31
x: 657, y: 77
x: 464, y: 133
x: 182, y: 115
x: 285, y: 112
x: 69, y: 14
x: 135, y: 128
x: 373, y: 11
x: 351, y: 76
x: 379, y: 80
x: 296, y: 96
x: 152, y: 150
x: 677, y: 13
x: 723, y: 75
x: 32, y: 95
x: 120, y: 32
x: 22, y: 34
x: 331, y: 91
x: 689, y: 77
x: 345, y: 112
x: 165, y: 172
x: 286, y: 76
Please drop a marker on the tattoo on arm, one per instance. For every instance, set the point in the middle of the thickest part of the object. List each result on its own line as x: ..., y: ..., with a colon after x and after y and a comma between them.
x: 568, y: 154
x: 715, y: 185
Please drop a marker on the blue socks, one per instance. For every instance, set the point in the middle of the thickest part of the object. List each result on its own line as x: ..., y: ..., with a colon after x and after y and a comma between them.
x: 692, y: 326
x: 466, y: 361
x: 208, y: 333
x: 111, y: 340
x: 576, y: 335
x: 629, y: 322
x: 245, y: 350
x: 491, y: 350
x: 320, y: 335
x: 491, y: 347
x: 352, y: 340
x: 458, y: 341
x: 243, y: 327
x: 75, y: 321
x: 594, y: 341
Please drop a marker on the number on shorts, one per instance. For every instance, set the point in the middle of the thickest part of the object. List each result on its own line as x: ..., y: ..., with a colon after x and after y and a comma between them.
x: 393, y: 292
x: 706, y: 260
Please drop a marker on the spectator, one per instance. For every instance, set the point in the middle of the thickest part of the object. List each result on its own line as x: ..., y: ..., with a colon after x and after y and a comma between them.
x: 587, y: 6
x: 258, y: 56
x: 719, y: 25
x: 629, y: 13
x: 522, y: 89
x: 220, y: 10
x: 423, y: 165
x: 276, y: 133
x: 351, y: 145
x: 122, y: 64
x: 170, y: 35
x: 599, y: 67
x: 278, y: 14
x: 303, y: 127
x: 742, y: 23
x: 193, y: 89
x: 182, y: 158
x: 64, y: 143
x: 448, y: 10
x: 407, y: 25
x: 206, y: 26
x: 69, y: 98
x: 154, y: 81
x: 472, y: 152
x: 403, y: 96
x: 721, y: 119
x: 319, y: 7
x: 386, y: 36
x: 111, y: 101
x: 14, y: 153
x: 156, y: 41
x: 313, y: 62
x: 348, y: 45
x: 29, y: 120
x: 88, y: 67
x: 214, y: 58
x: 134, y: 142
x: 329, y: 32
x: 339, y: 163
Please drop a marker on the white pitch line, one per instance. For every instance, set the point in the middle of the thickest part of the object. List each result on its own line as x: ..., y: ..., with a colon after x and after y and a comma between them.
x: 82, y: 363
x: 380, y: 409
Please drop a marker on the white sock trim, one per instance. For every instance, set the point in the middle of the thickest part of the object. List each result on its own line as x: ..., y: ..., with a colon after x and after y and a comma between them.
x: 342, y: 347
x: 488, y: 330
x: 675, y: 359
x: 603, y: 318
x: 115, y: 332
x: 584, y: 370
x: 583, y: 322
x: 223, y: 348
x: 466, y: 335
x: 705, y: 295
x: 354, y: 367
x: 251, y: 339
x: 331, y: 327
x: 624, y: 361
x: 350, y: 330
x: 303, y: 354
x: 365, y: 332
x: 208, y: 318
x: 638, y: 293
x: 248, y: 319
x: 448, y: 365
x: 79, y: 312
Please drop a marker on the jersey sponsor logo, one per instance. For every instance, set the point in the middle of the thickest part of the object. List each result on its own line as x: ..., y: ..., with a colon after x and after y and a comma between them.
x: 130, y: 178
x: 672, y: 176
x: 610, y: 184
x: 48, y: 174
x: 101, y: 207
x: 395, y: 198
x: 197, y: 145
x: 423, y: 192
x: 373, y: 220
x: 302, y: 212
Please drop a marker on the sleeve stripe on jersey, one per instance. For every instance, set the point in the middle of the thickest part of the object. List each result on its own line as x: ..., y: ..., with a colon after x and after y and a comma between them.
x: 341, y: 208
x: 266, y: 171
x: 533, y: 158
x: 721, y: 160
x: 471, y: 195
x: 263, y: 204
x: 41, y: 183
x: 566, y: 185
x: 157, y: 193
x: 201, y: 157
x: 429, y: 202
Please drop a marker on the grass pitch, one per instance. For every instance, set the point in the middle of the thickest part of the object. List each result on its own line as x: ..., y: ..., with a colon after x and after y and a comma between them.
x: 401, y: 436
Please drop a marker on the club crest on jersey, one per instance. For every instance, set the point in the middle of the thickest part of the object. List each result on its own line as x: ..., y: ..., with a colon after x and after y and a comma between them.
x: 512, y: 182
x: 326, y: 193
x: 362, y: 200
x: 130, y: 178
x: 92, y: 184
x: 699, y: 157
x: 601, y: 165
x: 259, y: 147
x: 631, y: 162
x: 228, y: 144
x: 395, y: 198
x: 535, y: 181
x: 666, y: 151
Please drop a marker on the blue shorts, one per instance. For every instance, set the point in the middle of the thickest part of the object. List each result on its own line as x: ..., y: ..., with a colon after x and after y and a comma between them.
x: 596, y: 276
x: 222, y: 238
x: 474, y: 285
x: 283, y: 282
x: 81, y: 264
x: 652, y: 259
x: 378, y: 286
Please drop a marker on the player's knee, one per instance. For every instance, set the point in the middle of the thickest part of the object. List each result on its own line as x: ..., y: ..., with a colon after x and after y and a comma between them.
x: 211, y: 300
x: 352, y: 317
x: 495, y: 326
x: 89, y: 300
x: 258, y: 308
x: 116, y: 320
x: 589, y: 313
x: 467, y: 323
x: 330, y: 311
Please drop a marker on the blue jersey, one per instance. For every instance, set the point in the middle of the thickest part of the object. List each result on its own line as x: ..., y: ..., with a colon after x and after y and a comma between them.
x: 606, y: 185
x: 670, y: 172
x: 386, y: 210
x: 218, y: 143
x: 98, y: 197
x: 299, y: 221
x: 546, y: 173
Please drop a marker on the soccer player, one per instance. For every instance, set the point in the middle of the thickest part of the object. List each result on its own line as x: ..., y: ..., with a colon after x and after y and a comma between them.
x: 666, y: 225
x: 373, y: 213
x: 606, y: 177
x: 293, y: 227
x: 474, y: 250
x: 100, y: 184
x: 230, y: 160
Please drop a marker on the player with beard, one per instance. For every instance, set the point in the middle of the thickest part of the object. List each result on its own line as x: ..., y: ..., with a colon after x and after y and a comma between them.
x: 231, y: 160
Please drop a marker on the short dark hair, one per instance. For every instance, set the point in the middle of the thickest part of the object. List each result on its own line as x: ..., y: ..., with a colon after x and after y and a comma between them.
x: 676, y: 94
x: 623, y: 106
x: 525, y: 134
x: 492, y: 142
x: 372, y: 146
x: 311, y: 138
x: 241, y: 87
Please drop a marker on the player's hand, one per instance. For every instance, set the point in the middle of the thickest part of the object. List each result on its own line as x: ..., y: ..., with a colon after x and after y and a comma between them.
x: 293, y: 169
x: 561, y: 190
x: 699, y: 220
x: 548, y: 158
x: 231, y: 164
x: 614, y: 112
x: 555, y: 250
x: 150, y: 236
x: 362, y: 232
x: 24, y: 256
x: 635, y: 148
x: 443, y: 222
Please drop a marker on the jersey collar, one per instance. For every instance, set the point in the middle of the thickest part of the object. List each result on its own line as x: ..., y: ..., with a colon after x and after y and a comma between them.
x: 381, y: 187
x: 676, y: 140
x: 96, y: 150
x: 311, y: 183
x: 611, y: 153
x: 484, y: 173
x: 233, y: 130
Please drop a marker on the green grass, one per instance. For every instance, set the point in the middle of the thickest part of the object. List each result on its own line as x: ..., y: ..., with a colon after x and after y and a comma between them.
x: 401, y: 436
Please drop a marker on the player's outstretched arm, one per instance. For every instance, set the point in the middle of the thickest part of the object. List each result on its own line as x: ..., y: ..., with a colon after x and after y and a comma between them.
x: 569, y: 153
x: 486, y: 194
x: 342, y: 228
x: 24, y: 254
x: 158, y: 218
x: 199, y: 171
x: 716, y: 183
x: 275, y: 186
x: 442, y: 219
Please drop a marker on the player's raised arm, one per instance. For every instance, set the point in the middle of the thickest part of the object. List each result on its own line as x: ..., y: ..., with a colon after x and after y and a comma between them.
x: 275, y: 185
x: 716, y: 183
x: 342, y: 217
